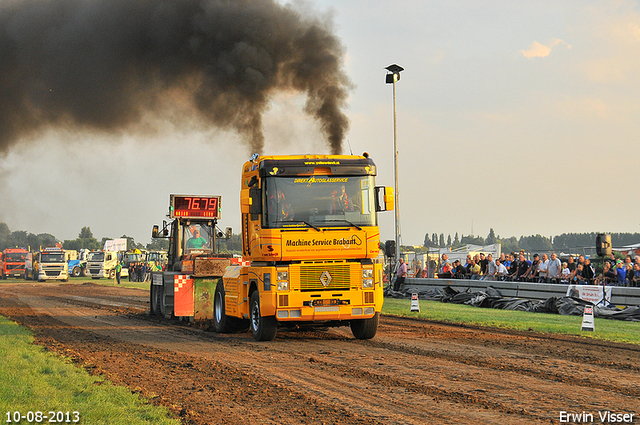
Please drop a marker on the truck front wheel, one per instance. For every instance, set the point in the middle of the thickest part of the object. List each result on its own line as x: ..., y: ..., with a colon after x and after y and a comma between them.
x: 76, y: 272
x: 221, y: 322
x: 263, y: 328
x: 365, y: 328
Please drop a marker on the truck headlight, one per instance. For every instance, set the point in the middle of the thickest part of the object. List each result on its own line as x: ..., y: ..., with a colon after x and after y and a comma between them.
x: 367, y: 278
x: 283, y: 280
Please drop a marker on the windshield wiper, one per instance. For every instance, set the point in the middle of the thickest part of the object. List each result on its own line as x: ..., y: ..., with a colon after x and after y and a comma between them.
x: 301, y: 221
x: 345, y: 221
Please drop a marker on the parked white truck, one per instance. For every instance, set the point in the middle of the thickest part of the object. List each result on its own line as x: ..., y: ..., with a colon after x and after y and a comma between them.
x: 101, y: 264
x: 52, y: 265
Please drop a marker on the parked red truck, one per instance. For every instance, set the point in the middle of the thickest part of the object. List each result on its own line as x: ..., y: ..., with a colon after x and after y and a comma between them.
x: 13, y: 262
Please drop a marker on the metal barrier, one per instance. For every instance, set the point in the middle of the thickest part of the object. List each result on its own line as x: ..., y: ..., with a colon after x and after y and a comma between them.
x: 620, y: 296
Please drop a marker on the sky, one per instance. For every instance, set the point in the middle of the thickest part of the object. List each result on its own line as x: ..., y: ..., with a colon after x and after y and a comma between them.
x: 516, y: 116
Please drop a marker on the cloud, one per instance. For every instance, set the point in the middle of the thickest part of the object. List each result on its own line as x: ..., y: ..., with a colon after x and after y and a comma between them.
x: 537, y: 50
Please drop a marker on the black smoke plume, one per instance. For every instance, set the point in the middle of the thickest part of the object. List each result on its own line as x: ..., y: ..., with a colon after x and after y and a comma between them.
x: 105, y: 64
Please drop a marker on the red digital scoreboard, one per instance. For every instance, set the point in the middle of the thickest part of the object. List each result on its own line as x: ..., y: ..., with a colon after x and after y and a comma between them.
x: 188, y: 206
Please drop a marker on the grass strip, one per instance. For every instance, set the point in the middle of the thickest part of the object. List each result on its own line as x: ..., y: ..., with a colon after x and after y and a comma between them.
x: 605, y: 329
x: 33, y: 380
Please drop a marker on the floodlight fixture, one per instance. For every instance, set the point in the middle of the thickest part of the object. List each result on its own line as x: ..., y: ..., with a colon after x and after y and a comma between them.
x: 394, y: 73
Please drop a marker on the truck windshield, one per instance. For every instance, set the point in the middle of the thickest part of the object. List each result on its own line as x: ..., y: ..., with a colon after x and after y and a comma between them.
x: 134, y: 257
x: 15, y: 257
x: 319, y: 201
x: 197, y: 238
x: 47, y: 257
x: 95, y: 256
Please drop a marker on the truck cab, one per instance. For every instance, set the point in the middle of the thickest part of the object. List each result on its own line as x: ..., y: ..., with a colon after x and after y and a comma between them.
x: 310, y: 231
x: 13, y: 262
x: 52, y: 265
x: 101, y: 264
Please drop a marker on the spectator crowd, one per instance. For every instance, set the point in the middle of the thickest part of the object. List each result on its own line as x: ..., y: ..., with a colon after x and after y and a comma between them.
x: 545, y: 269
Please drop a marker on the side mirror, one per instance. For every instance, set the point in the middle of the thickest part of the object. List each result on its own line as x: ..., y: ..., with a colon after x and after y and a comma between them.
x: 385, y: 199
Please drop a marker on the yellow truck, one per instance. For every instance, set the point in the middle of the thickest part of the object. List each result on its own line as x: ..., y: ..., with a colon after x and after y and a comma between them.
x: 310, y: 232
x: 310, y: 239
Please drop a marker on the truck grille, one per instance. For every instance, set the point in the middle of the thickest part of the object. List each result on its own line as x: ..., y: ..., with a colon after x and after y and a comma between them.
x: 325, y: 276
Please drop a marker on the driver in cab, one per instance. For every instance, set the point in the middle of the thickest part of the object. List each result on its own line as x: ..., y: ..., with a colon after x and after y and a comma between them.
x: 340, y: 201
x: 197, y: 241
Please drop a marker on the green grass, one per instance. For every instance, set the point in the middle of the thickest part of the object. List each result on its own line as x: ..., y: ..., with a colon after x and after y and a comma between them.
x: 609, y: 330
x: 32, y: 380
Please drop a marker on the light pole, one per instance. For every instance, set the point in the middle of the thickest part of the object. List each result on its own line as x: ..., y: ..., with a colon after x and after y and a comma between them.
x: 393, y: 75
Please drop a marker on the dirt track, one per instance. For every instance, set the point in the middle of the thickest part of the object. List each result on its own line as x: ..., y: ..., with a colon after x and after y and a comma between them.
x: 412, y: 372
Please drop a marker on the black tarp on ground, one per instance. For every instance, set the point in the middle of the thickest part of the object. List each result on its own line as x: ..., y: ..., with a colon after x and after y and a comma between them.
x: 492, y: 298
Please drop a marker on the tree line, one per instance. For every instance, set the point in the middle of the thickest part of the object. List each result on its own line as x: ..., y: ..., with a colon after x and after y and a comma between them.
x: 566, y: 242
x: 86, y: 240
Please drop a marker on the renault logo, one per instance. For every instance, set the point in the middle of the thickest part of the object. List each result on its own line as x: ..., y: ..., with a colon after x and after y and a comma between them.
x: 325, y: 278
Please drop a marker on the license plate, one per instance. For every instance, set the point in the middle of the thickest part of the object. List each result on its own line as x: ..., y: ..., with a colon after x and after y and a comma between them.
x: 331, y: 301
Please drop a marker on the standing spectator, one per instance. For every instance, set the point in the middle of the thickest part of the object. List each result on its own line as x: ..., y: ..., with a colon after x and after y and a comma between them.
x: 532, y: 271
x: 118, y: 271
x: 580, y: 259
x: 571, y: 264
x: 523, y: 268
x: 635, y: 281
x: 588, y: 272
x: 508, y: 259
x: 418, y: 269
x: 445, y: 268
x: 484, y: 264
x: 608, y: 273
x: 564, y: 278
x: 543, y: 268
x: 629, y: 274
x: 513, y: 267
x: 621, y: 272
x: 554, y: 268
x: 491, y: 268
x: 402, y: 274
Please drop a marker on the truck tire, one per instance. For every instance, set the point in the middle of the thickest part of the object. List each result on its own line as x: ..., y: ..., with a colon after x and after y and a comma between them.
x: 365, y: 328
x: 76, y: 272
x: 221, y: 322
x: 263, y: 328
x: 85, y: 273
